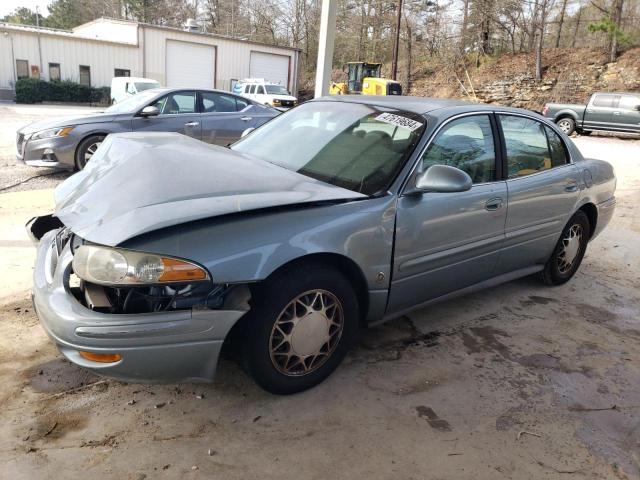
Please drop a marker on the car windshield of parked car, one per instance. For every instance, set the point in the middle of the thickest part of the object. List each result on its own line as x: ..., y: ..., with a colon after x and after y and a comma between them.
x: 350, y: 145
x: 132, y: 104
x: 142, y: 86
x: 276, y: 90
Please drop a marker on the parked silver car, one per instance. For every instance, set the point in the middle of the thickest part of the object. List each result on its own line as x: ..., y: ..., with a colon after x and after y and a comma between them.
x: 341, y: 213
x: 210, y: 115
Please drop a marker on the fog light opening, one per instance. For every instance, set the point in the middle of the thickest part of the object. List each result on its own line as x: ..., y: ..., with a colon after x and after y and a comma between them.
x: 101, y: 357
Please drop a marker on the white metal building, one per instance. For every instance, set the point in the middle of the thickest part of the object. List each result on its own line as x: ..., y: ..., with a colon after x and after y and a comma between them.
x: 97, y: 51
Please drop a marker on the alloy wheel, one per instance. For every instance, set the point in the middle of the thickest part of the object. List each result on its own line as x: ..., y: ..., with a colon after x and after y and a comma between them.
x: 565, y: 126
x: 306, y: 333
x: 91, y: 149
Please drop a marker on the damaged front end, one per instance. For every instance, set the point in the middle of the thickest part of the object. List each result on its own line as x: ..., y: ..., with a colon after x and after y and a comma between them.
x: 151, y: 322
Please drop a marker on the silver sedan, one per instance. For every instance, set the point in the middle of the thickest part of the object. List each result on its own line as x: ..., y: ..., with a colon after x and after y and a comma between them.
x: 212, y: 116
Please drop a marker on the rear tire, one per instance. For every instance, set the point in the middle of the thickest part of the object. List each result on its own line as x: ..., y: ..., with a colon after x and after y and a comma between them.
x: 86, y: 149
x: 301, y: 324
x: 567, y: 256
x: 567, y: 125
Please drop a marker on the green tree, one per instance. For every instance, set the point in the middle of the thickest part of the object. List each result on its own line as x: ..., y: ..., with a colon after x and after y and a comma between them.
x: 24, y: 16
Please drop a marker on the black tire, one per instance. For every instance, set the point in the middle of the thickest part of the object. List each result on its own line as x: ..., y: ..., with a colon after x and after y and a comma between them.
x: 567, y: 125
x: 83, y: 149
x: 556, y: 270
x: 272, y: 302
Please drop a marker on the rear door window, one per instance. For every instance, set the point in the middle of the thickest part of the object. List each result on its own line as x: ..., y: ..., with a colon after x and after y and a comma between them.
x: 629, y: 103
x: 531, y: 146
x: 217, y: 102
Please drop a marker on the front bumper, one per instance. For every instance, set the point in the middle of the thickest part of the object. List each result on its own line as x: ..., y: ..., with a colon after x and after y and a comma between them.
x: 155, y: 347
x: 57, y: 152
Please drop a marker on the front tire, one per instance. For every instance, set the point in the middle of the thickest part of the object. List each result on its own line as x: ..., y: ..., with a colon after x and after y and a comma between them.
x: 567, y: 125
x: 301, y: 325
x: 567, y: 256
x: 86, y: 149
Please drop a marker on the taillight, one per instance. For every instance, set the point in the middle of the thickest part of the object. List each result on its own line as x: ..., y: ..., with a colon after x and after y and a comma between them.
x: 545, y: 109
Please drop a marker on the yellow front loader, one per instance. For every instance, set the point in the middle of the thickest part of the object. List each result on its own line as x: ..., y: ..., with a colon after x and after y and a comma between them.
x: 364, y: 79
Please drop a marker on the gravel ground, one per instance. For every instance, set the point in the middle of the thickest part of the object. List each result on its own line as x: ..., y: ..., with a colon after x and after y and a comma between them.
x: 522, y: 382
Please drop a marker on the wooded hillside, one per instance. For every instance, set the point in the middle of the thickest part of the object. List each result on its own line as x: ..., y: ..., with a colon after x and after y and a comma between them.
x: 436, y: 37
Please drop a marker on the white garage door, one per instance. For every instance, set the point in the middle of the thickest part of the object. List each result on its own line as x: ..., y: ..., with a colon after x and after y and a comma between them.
x: 271, y: 67
x: 190, y: 65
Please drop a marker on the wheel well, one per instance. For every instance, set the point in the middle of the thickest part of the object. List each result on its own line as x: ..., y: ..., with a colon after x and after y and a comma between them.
x: 564, y: 115
x: 92, y: 134
x: 344, y: 265
x: 592, y: 214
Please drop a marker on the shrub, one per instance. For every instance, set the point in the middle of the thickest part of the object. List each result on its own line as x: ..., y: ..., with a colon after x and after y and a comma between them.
x: 32, y: 90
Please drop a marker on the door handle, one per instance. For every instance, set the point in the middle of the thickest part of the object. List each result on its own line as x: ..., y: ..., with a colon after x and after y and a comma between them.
x: 493, y: 204
x: 571, y: 186
x: 616, y: 113
x: 192, y: 124
x: 246, y: 119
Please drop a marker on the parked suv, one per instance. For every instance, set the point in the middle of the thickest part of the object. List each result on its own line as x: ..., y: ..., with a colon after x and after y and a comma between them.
x: 267, y: 93
x: 615, y: 112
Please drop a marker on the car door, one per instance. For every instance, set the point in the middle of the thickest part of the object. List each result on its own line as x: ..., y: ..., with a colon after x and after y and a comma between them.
x: 599, y: 112
x: 543, y: 188
x: 448, y: 241
x: 223, y: 117
x: 178, y: 113
x: 627, y: 116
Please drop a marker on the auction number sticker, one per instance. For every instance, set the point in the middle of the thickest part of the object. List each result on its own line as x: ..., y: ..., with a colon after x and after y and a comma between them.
x: 399, y: 121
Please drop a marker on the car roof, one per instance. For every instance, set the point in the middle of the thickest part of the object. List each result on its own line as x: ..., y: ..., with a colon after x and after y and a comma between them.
x: 181, y: 89
x: 420, y: 105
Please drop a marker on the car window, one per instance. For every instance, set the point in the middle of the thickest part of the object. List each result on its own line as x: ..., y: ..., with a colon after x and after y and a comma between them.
x: 217, y: 102
x: 467, y: 144
x: 260, y: 90
x: 247, y: 88
x: 528, y: 150
x: 242, y: 103
x: 253, y: 89
x: 605, y: 101
x: 177, y: 103
x: 559, y: 155
x: 629, y: 103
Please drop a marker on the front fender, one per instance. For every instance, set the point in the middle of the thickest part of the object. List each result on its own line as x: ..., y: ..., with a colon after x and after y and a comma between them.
x: 248, y: 247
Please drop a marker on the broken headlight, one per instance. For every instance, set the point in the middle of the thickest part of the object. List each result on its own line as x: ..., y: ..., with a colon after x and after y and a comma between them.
x: 113, y: 266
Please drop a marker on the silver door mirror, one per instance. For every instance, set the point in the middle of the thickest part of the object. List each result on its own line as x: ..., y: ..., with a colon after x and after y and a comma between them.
x: 150, y: 111
x: 247, y: 132
x: 444, y: 179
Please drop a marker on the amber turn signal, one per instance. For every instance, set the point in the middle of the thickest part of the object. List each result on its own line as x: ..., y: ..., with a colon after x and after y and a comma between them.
x: 177, y: 270
x: 101, y: 357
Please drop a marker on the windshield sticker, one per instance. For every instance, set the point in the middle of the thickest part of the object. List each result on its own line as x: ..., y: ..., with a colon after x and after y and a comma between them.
x: 399, y: 121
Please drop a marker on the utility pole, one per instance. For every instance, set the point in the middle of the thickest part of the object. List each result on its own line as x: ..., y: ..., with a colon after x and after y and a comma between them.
x: 325, y: 47
x: 39, y: 47
x: 396, y: 43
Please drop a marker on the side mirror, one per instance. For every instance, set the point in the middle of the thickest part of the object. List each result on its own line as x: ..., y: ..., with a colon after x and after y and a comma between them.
x: 443, y: 179
x: 637, y: 108
x: 150, y: 111
x: 247, y: 132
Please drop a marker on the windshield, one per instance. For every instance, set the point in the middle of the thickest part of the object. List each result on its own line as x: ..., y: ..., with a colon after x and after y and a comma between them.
x: 132, y: 104
x: 276, y: 90
x: 140, y: 86
x: 350, y: 145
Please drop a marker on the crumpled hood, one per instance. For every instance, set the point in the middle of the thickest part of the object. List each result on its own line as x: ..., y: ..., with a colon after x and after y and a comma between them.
x: 68, y: 121
x: 139, y: 182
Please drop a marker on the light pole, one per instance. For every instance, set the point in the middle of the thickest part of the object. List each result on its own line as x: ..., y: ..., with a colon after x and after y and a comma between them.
x: 325, y: 47
x: 39, y: 46
x: 396, y: 43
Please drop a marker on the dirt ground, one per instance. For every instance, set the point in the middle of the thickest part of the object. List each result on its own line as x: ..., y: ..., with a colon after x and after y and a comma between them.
x: 521, y: 382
